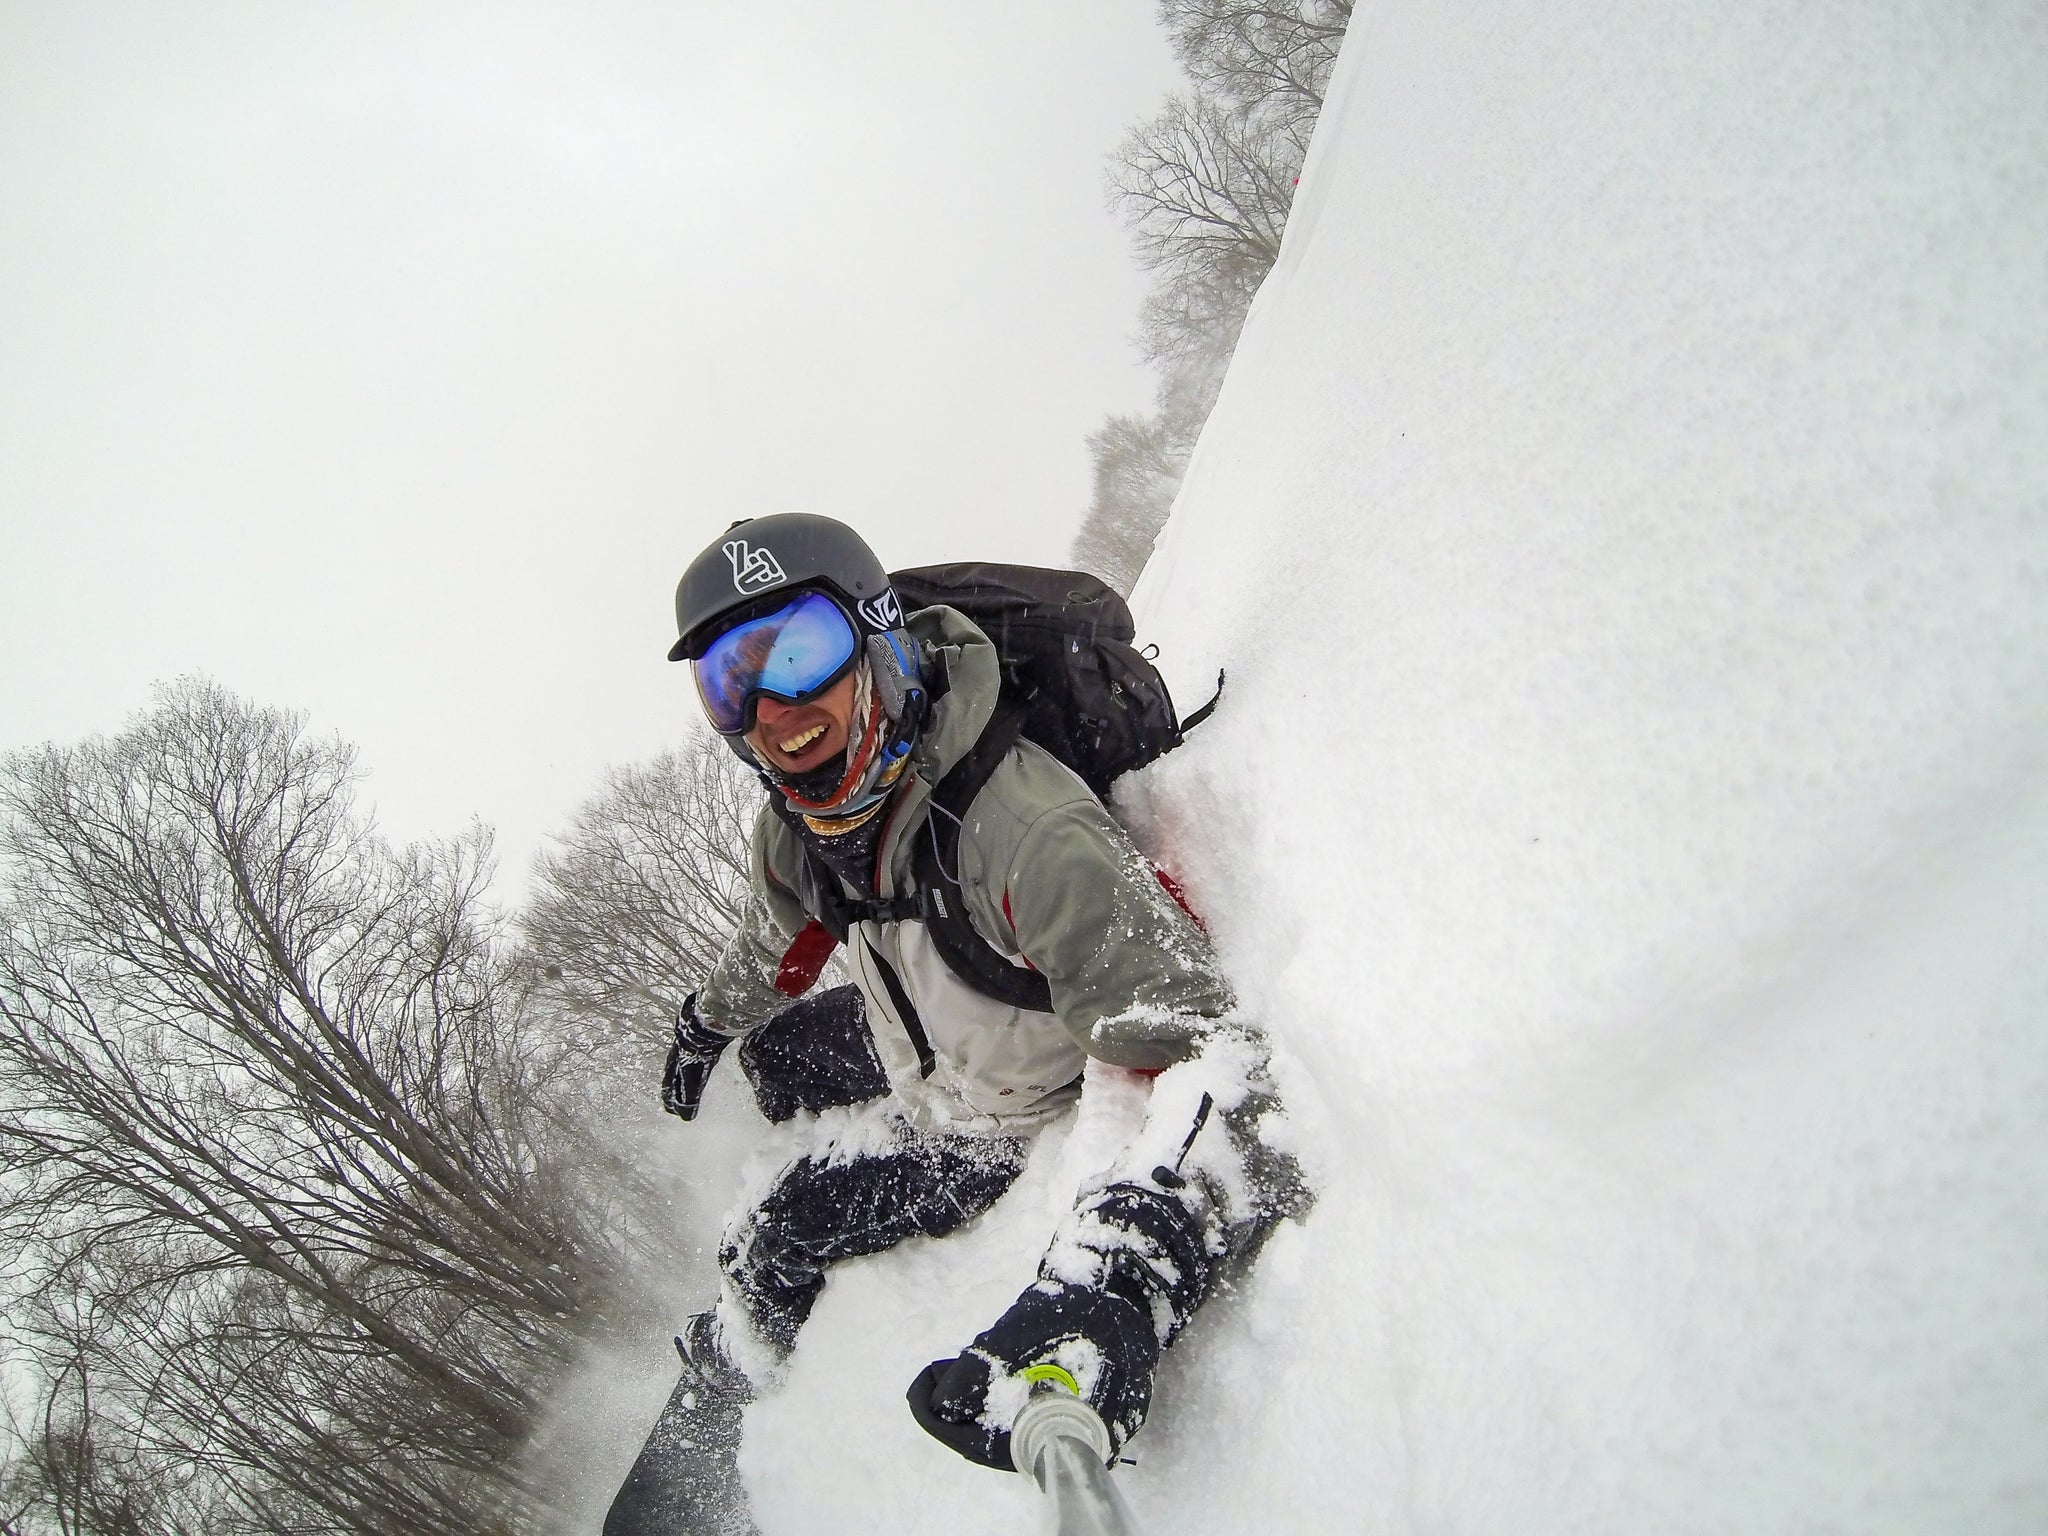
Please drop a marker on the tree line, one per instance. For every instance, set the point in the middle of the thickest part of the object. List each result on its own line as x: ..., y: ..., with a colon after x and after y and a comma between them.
x: 1204, y: 188
x: 304, y: 1183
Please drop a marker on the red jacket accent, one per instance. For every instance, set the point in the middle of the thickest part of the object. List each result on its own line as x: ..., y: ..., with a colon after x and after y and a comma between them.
x: 1012, y: 921
x: 805, y: 957
x: 1180, y: 898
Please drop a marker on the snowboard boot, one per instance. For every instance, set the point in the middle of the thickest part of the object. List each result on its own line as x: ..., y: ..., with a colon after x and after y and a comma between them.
x: 687, y: 1479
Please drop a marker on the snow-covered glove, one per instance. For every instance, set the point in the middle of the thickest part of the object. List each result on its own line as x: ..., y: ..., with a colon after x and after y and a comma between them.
x: 1077, y: 1338
x: 691, y: 1057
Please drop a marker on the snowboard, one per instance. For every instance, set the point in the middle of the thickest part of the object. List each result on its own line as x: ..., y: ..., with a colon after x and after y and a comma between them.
x: 686, y: 1480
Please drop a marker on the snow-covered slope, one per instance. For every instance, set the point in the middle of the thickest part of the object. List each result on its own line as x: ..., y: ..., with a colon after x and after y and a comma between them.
x: 1626, y: 526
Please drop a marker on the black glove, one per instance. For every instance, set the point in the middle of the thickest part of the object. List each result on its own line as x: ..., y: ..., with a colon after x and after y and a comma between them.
x: 1056, y: 1335
x: 695, y: 1052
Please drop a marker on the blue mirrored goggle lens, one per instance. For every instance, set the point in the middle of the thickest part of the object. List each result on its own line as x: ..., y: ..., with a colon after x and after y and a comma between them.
x: 787, y: 653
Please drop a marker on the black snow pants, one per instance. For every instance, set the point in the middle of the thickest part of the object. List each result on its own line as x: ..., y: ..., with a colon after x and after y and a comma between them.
x: 817, y: 1055
x: 824, y: 1207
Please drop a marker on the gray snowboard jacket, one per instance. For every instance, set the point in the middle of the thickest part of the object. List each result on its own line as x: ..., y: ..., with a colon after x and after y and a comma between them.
x: 1051, y: 881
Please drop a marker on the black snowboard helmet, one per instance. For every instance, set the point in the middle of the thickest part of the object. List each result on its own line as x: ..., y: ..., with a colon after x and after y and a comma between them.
x: 760, y: 563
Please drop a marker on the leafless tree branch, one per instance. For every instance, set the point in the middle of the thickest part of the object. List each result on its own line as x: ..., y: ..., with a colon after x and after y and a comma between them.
x: 295, y: 1202
x: 1205, y: 189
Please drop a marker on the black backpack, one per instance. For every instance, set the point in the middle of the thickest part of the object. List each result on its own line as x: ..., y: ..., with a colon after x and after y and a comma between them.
x: 1088, y: 696
x: 1073, y: 683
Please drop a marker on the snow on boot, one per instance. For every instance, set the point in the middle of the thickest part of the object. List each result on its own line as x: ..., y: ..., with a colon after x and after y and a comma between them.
x: 686, y: 1481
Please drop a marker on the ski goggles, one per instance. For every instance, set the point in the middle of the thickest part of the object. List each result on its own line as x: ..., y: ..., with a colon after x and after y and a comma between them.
x: 788, y: 654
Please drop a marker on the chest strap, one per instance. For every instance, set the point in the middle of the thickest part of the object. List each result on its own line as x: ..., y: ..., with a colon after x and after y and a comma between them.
x: 935, y: 866
x: 937, y: 899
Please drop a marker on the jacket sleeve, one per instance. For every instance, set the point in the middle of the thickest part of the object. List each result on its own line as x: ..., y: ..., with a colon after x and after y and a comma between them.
x: 1213, y: 1168
x: 1132, y: 978
x: 775, y: 953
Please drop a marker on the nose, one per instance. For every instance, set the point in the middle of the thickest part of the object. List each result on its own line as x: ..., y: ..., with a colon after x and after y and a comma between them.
x: 770, y: 711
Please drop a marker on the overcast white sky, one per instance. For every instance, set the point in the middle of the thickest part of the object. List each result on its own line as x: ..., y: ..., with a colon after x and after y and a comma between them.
x: 389, y: 361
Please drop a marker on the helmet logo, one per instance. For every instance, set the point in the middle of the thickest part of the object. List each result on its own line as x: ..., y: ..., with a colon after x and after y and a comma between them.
x: 753, y: 569
x: 882, y: 610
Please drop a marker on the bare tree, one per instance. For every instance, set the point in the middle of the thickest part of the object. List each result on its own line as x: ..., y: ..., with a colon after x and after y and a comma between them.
x: 1138, y: 462
x: 1205, y: 189
x: 80, y: 1469
x: 639, y: 894
x: 1206, y: 186
x: 1255, y: 52
x: 290, y: 1198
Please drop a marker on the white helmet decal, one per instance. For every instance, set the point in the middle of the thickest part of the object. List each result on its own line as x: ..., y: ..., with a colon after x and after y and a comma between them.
x: 753, y: 569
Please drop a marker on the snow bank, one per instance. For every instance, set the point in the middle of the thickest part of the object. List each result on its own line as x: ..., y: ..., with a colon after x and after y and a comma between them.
x: 1626, y: 526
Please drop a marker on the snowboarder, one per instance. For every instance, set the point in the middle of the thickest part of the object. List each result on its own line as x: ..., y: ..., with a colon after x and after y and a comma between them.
x: 860, y: 717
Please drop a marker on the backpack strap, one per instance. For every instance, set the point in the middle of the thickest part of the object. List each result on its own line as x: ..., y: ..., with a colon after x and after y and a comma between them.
x: 820, y: 891
x: 935, y: 863
x: 1207, y: 709
x: 906, y: 1011
x: 938, y: 902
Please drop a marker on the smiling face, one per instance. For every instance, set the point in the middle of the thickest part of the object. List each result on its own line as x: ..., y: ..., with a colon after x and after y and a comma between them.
x: 795, y: 738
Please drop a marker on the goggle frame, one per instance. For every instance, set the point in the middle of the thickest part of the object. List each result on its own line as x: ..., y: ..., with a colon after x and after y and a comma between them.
x: 817, y: 612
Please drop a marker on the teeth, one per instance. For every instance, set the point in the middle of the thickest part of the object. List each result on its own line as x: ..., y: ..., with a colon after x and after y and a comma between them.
x: 797, y: 743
